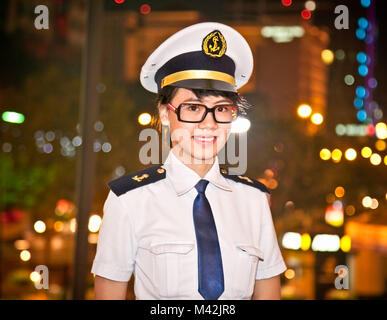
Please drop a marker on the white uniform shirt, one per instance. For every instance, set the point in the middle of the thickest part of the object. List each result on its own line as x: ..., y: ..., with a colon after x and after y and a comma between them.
x: 149, y: 231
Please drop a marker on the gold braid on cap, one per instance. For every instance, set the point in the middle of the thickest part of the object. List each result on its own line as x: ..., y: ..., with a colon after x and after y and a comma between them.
x: 197, y: 74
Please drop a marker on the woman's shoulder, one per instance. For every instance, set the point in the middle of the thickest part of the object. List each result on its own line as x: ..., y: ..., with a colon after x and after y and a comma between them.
x: 136, y: 180
x: 244, y: 180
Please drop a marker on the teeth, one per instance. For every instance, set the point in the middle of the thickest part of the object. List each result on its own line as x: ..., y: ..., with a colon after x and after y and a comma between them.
x: 205, y: 139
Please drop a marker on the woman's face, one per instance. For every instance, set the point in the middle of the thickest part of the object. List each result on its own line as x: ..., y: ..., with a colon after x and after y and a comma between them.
x: 196, y: 142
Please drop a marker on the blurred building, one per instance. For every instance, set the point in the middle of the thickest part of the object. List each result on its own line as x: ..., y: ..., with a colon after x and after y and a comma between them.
x: 296, y: 73
x: 368, y: 258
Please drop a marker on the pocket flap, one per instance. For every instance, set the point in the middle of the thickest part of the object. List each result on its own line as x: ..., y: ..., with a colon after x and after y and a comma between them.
x: 179, y: 248
x: 252, y: 251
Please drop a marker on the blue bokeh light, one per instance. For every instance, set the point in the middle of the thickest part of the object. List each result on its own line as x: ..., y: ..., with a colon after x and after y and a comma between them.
x: 360, y: 91
x: 361, y: 57
x: 365, y: 3
x: 360, y: 34
x: 362, y: 23
x: 358, y: 103
x: 363, y: 70
x: 361, y: 115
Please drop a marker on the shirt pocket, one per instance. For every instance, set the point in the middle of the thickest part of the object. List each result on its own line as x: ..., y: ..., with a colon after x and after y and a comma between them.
x: 247, y: 259
x: 172, y: 262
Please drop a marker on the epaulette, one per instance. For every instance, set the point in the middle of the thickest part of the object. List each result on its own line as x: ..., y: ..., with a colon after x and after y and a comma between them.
x: 245, y: 180
x: 135, y: 180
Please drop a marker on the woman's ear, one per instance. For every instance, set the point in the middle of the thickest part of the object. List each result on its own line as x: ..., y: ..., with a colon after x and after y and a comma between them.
x: 163, y: 113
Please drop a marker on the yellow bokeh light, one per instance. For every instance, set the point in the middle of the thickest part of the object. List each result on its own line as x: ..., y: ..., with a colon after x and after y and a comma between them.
x: 327, y: 56
x: 317, y: 118
x: 25, y: 255
x: 304, y: 110
x: 339, y: 192
x: 58, y: 226
x: 336, y: 155
x: 94, y: 223
x: 73, y: 225
x: 289, y: 274
x: 39, y: 226
x: 385, y: 160
x: 375, y: 159
x: 325, y: 154
x: 144, y: 119
x: 334, y: 216
x: 380, y: 145
x: 306, y: 240
x: 35, y: 276
x: 350, y: 154
x: 345, y: 243
x: 381, y: 130
x: 374, y: 203
x: 366, y: 202
x: 366, y: 152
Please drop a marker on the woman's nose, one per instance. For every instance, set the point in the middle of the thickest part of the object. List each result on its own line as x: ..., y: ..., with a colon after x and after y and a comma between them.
x: 208, y: 122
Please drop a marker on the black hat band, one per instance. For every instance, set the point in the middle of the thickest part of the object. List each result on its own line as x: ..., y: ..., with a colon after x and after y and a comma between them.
x: 195, y: 66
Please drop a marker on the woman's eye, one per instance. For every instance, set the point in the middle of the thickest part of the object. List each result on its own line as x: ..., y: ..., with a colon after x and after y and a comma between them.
x: 221, y: 109
x: 193, y: 108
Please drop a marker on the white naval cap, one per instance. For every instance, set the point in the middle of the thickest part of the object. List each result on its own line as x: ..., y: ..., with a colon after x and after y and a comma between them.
x: 207, y: 55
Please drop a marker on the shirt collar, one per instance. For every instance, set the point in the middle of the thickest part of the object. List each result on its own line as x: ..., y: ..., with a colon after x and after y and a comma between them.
x: 184, y: 178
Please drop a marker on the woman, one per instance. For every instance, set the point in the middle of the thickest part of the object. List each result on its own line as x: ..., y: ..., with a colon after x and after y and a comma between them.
x: 187, y: 229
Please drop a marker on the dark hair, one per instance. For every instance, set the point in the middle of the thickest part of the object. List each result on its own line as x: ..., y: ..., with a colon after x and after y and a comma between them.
x: 167, y: 93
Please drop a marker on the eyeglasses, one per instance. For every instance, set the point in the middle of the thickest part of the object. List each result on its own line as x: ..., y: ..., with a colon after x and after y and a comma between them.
x: 195, y: 113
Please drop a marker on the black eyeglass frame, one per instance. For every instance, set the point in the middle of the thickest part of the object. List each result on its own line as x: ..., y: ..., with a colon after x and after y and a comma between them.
x: 212, y: 110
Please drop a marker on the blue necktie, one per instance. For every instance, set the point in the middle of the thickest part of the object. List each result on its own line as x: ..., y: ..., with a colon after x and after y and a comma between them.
x: 211, y: 281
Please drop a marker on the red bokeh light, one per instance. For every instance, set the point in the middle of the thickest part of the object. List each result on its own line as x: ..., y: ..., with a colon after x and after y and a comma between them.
x: 145, y: 9
x: 370, y: 130
x: 306, y: 14
x: 286, y: 3
x: 119, y: 1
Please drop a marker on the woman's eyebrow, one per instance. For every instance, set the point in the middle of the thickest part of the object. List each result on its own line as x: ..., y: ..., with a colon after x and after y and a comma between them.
x: 223, y: 100
x: 201, y: 101
x: 193, y: 100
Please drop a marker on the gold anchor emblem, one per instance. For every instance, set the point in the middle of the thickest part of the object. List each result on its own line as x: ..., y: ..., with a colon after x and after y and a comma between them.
x: 245, y: 178
x: 139, y: 179
x: 214, y: 44
x: 214, y: 47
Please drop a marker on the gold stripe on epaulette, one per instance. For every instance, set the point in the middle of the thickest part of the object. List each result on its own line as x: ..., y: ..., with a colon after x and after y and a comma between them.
x: 245, y: 178
x: 139, y: 179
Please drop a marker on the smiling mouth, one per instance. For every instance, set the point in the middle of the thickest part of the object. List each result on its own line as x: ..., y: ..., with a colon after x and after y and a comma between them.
x: 204, y: 139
